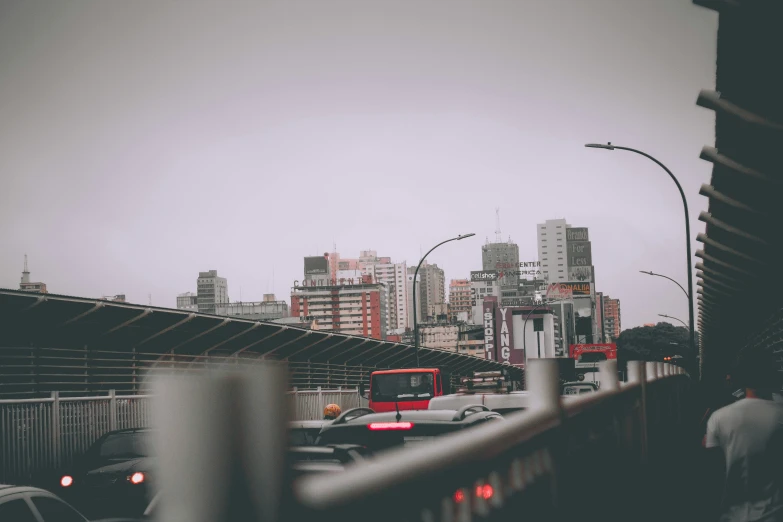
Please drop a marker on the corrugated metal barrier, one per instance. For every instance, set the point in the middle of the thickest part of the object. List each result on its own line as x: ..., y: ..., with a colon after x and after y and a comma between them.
x: 41, y: 434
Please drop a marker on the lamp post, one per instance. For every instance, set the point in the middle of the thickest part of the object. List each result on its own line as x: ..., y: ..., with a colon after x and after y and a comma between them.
x: 415, y: 277
x: 670, y: 317
x: 689, y: 293
x: 666, y: 277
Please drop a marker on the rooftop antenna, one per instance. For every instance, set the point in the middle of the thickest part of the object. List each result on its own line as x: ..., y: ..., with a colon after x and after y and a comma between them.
x: 25, y: 272
x: 149, y: 296
x: 498, y: 239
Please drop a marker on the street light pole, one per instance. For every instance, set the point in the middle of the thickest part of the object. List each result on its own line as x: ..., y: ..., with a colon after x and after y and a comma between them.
x: 415, y: 277
x: 670, y: 317
x: 666, y: 277
x: 689, y: 293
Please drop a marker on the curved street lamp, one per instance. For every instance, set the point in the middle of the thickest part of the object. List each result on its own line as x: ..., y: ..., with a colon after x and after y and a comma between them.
x: 670, y: 317
x: 666, y: 277
x: 415, y: 277
x: 609, y: 146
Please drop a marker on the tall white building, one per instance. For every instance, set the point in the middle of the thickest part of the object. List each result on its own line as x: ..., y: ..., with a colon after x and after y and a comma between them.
x: 552, y: 252
x: 392, y: 276
x: 212, y: 290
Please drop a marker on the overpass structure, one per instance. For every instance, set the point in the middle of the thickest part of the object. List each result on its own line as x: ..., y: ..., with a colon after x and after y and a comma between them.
x: 83, y: 346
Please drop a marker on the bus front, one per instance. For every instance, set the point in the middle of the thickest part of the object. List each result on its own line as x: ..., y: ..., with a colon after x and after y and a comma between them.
x: 409, y: 389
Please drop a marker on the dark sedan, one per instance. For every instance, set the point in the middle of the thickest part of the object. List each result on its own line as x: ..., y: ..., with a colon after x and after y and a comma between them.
x: 114, y: 476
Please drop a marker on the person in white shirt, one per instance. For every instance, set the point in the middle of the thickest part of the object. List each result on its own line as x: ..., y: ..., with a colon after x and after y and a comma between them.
x: 749, y: 434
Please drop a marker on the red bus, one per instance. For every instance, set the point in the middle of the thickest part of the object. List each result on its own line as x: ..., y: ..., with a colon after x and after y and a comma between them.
x: 406, y: 389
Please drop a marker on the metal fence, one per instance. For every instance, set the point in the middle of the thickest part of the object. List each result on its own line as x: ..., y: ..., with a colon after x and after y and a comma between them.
x: 617, y: 454
x: 41, y: 434
x: 38, y: 371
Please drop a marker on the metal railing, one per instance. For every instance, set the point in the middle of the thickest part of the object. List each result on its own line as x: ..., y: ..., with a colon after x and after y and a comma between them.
x: 44, y: 434
x: 609, y: 455
x: 36, y: 372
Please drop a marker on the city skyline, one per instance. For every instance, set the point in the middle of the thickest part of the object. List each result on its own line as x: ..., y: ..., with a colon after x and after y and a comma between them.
x: 113, y: 167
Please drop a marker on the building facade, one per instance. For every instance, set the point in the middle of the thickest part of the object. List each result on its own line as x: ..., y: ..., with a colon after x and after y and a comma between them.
x: 269, y: 309
x: 187, y: 301
x: 504, y: 259
x: 611, y: 316
x: 212, y: 290
x: 459, y: 298
x: 483, y: 283
x: 432, y: 291
x: 552, y: 252
x: 379, y: 270
x: 353, y: 309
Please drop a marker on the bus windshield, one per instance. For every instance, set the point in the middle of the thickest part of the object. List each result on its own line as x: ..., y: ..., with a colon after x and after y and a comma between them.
x: 392, y: 387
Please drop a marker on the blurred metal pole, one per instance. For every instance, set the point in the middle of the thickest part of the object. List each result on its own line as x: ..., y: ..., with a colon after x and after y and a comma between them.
x: 235, y: 422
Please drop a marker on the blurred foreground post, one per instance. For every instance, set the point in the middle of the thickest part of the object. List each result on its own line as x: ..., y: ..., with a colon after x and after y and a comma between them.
x: 222, y: 442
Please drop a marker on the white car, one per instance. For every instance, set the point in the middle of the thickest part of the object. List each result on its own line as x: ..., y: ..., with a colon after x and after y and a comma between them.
x: 28, y: 504
x: 502, y: 403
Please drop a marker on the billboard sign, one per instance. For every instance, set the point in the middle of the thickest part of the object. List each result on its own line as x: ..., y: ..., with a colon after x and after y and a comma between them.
x: 489, y: 307
x: 567, y: 290
x: 504, y: 334
x: 579, y: 253
x: 608, y: 349
x: 484, y: 275
x: 580, y: 273
x: 316, y: 265
x: 577, y: 234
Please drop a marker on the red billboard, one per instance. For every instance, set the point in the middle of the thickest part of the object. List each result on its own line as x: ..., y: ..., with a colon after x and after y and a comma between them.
x: 609, y: 349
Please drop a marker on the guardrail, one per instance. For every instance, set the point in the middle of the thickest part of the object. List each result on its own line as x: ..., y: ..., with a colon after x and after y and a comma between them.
x: 40, y: 434
x: 599, y: 456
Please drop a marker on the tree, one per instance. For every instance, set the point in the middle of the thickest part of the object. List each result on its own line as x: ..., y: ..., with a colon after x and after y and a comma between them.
x: 652, y: 343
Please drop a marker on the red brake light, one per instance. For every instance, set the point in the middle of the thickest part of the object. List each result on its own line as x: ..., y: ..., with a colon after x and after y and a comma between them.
x: 137, y: 478
x: 486, y: 492
x: 387, y: 426
x: 66, y: 481
x: 459, y: 496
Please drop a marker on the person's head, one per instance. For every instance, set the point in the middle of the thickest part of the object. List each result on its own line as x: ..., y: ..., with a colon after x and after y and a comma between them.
x: 757, y: 370
x: 331, y: 412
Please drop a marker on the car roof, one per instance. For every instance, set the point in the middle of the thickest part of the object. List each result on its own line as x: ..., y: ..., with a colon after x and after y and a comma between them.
x: 308, y: 424
x: 493, y: 401
x: 439, y: 415
x: 325, y: 450
x: 405, y: 370
x: 7, y: 489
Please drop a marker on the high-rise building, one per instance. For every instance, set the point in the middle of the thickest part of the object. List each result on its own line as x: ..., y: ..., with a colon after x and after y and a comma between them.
x: 431, y: 288
x: 552, y: 252
x: 212, y: 290
x: 503, y: 258
x: 354, y: 309
x: 380, y: 270
x: 459, y: 298
x: 611, y: 316
x: 28, y: 286
x: 187, y: 301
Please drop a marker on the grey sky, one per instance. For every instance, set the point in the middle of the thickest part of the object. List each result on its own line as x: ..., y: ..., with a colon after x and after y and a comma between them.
x: 143, y: 141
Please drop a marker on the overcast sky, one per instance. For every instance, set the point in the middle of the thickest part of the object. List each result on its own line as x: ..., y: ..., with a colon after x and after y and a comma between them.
x: 144, y: 141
